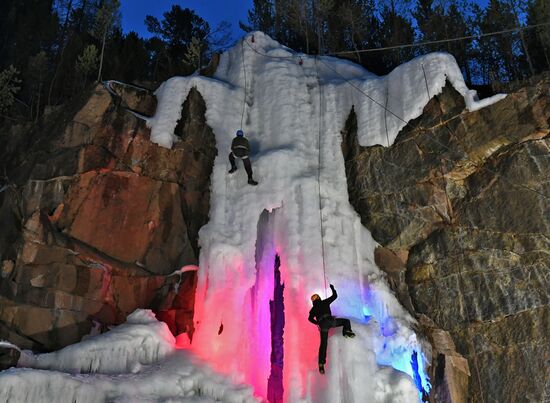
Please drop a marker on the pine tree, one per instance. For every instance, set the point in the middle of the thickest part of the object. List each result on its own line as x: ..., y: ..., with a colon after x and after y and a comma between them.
x: 395, y: 30
x: 499, y: 53
x: 193, y: 54
x: 107, y: 18
x: 177, y: 29
x: 519, y: 7
x: 36, y: 75
x: 538, y: 12
x: 260, y: 17
x: 86, y: 63
x: 9, y: 86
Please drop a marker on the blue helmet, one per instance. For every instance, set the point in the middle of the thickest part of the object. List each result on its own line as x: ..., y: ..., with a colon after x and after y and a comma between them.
x: 240, y: 133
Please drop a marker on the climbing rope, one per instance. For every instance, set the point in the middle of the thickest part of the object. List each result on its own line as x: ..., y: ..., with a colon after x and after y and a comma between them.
x: 245, y: 82
x: 319, y: 165
x: 362, y: 92
x: 266, y: 55
x: 461, y: 38
x: 387, y: 110
x: 433, y: 137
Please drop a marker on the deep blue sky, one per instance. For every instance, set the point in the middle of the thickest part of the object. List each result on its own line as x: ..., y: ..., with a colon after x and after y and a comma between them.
x: 213, y: 11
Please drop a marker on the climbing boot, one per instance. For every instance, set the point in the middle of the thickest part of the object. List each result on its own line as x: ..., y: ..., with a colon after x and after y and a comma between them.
x: 351, y: 335
x: 252, y: 182
x: 233, y: 169
x: 322, y: 368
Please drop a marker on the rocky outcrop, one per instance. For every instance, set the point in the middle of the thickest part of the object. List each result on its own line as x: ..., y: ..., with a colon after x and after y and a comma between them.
x: 460, y: 204
x: 96, y: 218
x: 9, y: 356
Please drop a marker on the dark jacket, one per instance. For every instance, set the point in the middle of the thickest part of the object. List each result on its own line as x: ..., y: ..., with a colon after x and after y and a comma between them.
x: 240, y: 147
x: 321, y: 309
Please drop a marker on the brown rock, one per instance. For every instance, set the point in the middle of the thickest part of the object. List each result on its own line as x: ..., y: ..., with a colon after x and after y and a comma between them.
x: 176, y: 305
x: 138, y: 99
x: 120, y: 228
x: 450, y: 372
x: 9, y: 356
x: 96, y: 215
x: 7, y: 268
x: 466, y: 195
x: 80, y: 130
x: 393, y: 263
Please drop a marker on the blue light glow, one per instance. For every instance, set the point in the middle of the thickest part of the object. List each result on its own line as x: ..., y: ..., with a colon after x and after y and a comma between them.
x: 406, y: 359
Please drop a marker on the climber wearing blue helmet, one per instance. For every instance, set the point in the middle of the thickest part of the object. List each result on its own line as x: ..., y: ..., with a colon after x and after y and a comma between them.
x: 240, y: 148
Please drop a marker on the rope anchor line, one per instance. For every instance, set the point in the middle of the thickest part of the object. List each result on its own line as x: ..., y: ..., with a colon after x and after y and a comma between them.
x: 245, y: 81
x: 319, y: 167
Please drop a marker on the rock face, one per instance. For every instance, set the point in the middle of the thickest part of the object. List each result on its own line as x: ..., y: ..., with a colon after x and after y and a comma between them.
x: 95, y: 218
x: 461, y: 205
x: 9, y: 356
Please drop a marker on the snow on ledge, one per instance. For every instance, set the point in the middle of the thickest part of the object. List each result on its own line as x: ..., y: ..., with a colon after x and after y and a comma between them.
x: 405, y: 92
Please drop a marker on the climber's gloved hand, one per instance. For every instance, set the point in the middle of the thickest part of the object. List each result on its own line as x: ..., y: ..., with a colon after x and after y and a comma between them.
x: 331, y: 287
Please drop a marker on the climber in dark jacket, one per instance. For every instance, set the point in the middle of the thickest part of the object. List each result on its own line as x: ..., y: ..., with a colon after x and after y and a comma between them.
x: 321, y: 316
x: 240, y: 149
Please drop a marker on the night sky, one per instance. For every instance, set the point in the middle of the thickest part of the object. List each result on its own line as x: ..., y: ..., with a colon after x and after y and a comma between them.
x: 213, y: 11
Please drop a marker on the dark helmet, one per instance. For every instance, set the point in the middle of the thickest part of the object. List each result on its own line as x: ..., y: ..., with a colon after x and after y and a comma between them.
x: 315, y: 297
x: 240, y: 133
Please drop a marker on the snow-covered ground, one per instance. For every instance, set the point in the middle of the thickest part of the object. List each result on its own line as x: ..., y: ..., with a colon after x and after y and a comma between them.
x: 293, y: 108
x: 135, y: 362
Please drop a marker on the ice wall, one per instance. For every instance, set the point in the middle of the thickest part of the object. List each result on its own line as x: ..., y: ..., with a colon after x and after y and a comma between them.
x: 293, y: 108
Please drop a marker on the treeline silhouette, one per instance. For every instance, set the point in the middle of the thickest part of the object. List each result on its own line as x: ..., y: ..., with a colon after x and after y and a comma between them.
x: 51, y: 50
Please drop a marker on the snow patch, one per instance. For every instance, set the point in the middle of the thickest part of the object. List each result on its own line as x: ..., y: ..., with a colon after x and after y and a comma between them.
x: 134, y: 362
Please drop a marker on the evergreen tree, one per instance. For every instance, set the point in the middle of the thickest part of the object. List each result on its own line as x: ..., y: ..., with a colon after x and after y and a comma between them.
x: 129, y: 59
x: 442, y: 21
x: 538, y: 12
x: 87, y: 62
x: 178, y: 28
x: 107, y: 19
x: 261, y: 17
x: 36, y: 76
x: 9, y: 86
x: 499, y: 53
x: 395, y: 30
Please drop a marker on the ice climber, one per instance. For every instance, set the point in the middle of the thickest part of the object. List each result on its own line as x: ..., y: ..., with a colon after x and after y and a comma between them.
x: 240, y: 148
x: 321, y: 316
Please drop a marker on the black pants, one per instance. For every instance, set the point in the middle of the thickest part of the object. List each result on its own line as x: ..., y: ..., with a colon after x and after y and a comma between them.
x: 246, y: 162
x: 324, y: 327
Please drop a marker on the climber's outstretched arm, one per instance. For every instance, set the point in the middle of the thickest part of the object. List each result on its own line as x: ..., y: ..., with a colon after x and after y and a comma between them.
x: 333, y: 296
